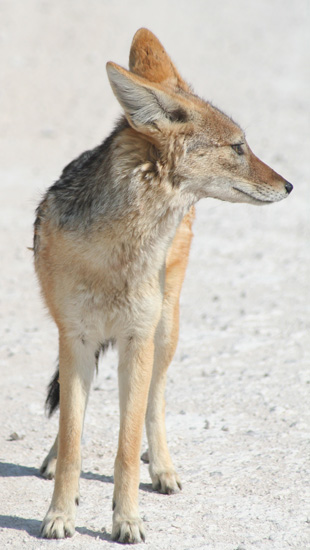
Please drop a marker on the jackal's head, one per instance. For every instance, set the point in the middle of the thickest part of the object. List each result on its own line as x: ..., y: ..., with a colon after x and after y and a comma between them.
x: 206, y: 152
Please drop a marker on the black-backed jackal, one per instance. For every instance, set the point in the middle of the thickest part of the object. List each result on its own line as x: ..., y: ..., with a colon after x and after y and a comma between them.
x: 111, y: 245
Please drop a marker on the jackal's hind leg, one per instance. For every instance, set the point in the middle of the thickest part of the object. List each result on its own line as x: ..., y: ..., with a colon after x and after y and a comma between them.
x: 48, y: 467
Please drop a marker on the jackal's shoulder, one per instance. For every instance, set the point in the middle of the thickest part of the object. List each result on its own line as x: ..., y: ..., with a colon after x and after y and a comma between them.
x: 80, y: 190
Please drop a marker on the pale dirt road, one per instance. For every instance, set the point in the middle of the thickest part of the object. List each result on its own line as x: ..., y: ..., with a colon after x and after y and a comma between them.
x: 238, y: 389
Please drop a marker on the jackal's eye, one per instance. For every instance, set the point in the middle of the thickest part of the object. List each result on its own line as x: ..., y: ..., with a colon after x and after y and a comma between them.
x: 237, y: 147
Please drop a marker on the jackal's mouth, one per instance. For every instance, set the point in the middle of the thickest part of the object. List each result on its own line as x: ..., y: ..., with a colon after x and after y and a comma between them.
x: 255, y: 199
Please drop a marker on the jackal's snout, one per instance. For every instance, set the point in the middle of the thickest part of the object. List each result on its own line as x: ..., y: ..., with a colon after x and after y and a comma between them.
x: 268, y: 185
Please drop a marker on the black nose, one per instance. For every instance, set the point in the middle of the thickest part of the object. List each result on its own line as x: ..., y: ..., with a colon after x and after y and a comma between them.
x: 288, y: 186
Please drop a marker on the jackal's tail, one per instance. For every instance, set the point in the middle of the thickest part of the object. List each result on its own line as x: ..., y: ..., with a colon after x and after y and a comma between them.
x: 52, y: 399
x: 53, y: 390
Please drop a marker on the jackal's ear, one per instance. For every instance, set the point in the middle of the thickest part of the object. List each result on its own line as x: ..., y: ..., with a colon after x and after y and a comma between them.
x: 149, y: 59
x: 144, y: 103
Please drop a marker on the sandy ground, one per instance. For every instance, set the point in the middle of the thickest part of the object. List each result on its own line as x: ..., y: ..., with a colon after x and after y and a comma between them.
x: 238, y: 389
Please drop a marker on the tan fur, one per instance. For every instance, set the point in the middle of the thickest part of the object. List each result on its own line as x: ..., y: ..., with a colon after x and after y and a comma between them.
x: 115, y: 269
x: 149, y: 59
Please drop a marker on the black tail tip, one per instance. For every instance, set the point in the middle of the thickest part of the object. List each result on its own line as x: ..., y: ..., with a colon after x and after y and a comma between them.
x: 52, y: 399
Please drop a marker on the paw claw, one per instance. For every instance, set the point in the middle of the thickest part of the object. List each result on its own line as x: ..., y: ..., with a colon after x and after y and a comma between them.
x: 128, y: 531
x: 56, y: 526
x: 166, y: 482
x: 48, y: 468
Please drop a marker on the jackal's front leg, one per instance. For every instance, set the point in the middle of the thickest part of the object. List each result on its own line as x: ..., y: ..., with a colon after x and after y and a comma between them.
x: 163, y: 474
x: 162, y: 471
x: 135, y: 369
x: 76, y: 367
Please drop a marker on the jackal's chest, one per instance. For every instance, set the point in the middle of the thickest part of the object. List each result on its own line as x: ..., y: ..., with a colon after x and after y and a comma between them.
x: 103, y: 283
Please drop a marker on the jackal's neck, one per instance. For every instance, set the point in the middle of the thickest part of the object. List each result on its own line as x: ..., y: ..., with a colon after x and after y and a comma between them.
x: 142, y: 184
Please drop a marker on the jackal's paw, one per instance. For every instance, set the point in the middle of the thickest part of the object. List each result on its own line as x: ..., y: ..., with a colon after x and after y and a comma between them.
x: 166, y: 482
x: 128, y: 531
x: 57, y: 525
x: 48, y: 467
